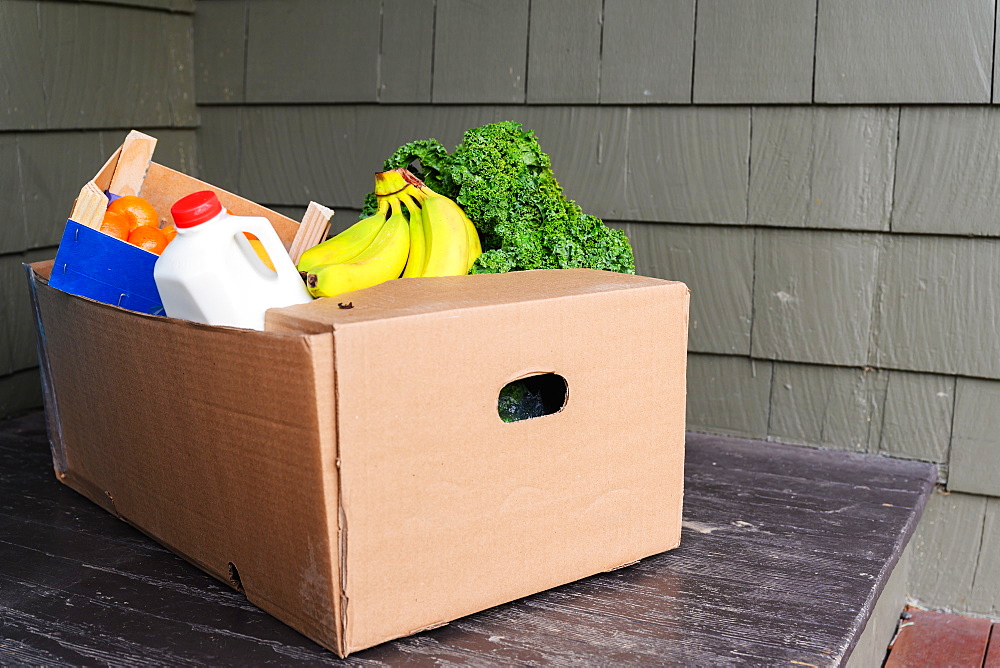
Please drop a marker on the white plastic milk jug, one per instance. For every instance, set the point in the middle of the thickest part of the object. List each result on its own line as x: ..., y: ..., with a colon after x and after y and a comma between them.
x: 210, y: 273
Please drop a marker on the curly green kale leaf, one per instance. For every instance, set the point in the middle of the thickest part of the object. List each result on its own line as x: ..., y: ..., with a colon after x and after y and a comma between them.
x: 504, y: 182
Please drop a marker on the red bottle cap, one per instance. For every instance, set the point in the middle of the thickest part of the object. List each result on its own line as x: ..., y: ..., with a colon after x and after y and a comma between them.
x: 195, y: 209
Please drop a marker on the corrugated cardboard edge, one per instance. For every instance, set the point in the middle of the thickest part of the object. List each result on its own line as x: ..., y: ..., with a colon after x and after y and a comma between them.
x: 325, y: 632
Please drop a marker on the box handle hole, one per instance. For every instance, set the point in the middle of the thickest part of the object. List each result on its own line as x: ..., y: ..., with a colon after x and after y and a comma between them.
x: 531, y: 397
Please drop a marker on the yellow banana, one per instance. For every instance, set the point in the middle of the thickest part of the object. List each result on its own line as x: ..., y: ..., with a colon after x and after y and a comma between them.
x: 383, y: 260
x: 416, y: 260
x: 447, y: 238
x: 346, y: 245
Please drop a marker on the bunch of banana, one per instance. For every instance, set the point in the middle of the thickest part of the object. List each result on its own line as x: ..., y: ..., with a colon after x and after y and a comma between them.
x: 438, y: 240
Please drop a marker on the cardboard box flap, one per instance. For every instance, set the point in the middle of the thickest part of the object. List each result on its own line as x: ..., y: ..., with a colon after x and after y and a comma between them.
x: 420, y: 296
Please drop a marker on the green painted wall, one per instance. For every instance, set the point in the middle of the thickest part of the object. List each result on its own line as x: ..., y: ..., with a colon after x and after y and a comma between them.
x: 822, y: 173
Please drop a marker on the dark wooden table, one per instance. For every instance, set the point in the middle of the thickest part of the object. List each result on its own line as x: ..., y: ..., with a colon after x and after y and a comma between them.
x: 784, y: 550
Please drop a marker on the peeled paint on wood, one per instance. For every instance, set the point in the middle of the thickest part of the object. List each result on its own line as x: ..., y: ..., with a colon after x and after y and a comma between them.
x: 728, y: 395
x: 813, y: 296
x: 829, y: 167
x: 834, y: 407
x: 754, y: 51
x: 564, y: 32
x: 886, y: 52
x: 647, y: 52
x: 463, y: 33
x: 716, y: 263
x: 948, y: 175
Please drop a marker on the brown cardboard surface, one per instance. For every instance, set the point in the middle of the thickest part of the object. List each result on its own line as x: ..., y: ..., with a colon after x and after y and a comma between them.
x: 352, y: 464
x: 217, y: 442
x: 448, y: 510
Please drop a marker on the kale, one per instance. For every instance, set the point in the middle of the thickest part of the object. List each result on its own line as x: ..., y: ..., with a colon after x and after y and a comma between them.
x: 503, y: 180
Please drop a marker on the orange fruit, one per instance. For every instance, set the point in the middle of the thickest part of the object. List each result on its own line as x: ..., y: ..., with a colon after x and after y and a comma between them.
x: 169, y: 231
x: 149, y: 238
x: 137, y: 210
x: 116, y: 225
x: 258, y: 247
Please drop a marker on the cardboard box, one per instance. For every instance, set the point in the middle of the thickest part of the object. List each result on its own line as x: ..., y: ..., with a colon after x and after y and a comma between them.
x: 348, y: 470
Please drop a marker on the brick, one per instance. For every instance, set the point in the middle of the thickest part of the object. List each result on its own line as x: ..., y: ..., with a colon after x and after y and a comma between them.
x: 975, y: 440
x: 822, y: 167
x: 220, y: 30
x: 312, y: 51
x: 480, y: 51
x: 406, y: 59
x: 755, y: 51
x: 728, y: 395
x: 937, y: 304
x: 918, y: 416
x: 834, y: 407
x: 688, y: 165
x: 813, y: 295
x: 564, y: 51
x: 647, y: 52
x: 889, y: 51
x: 716, y: 263
x: 948, y: 173
x: 946, y: 548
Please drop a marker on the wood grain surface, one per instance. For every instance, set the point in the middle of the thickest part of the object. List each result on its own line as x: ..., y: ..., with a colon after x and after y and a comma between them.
x: 784, y: 552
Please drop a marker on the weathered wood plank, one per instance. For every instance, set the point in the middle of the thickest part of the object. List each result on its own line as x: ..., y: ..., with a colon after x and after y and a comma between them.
x: 872, y: 52
x: 937, y: 305
x: 647, y: 52
x: 22, y: 91
x: 220, y: 30
x: 688, y: 165
x: 834, y: 407
x: 946, y: 548
x: 930, y: 638
x: 54, y: 166
x: 312, y: 51
x: 716, y: 263
x: 948, y: 176
x: 917, y: 417
x: 13, y: 230
x: 407, y: 51
x: 813, y: 295
x: 881, y: 627
x: 20, y: 391
x: 480, y: 51
x: 756, y: 51
x: 985, y: 596
x: 828, y: 167
x: 975, y: 451
x: 564, y: 51
x: 728, y: 395
x: 139, y: 73
x: 696, y: 605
